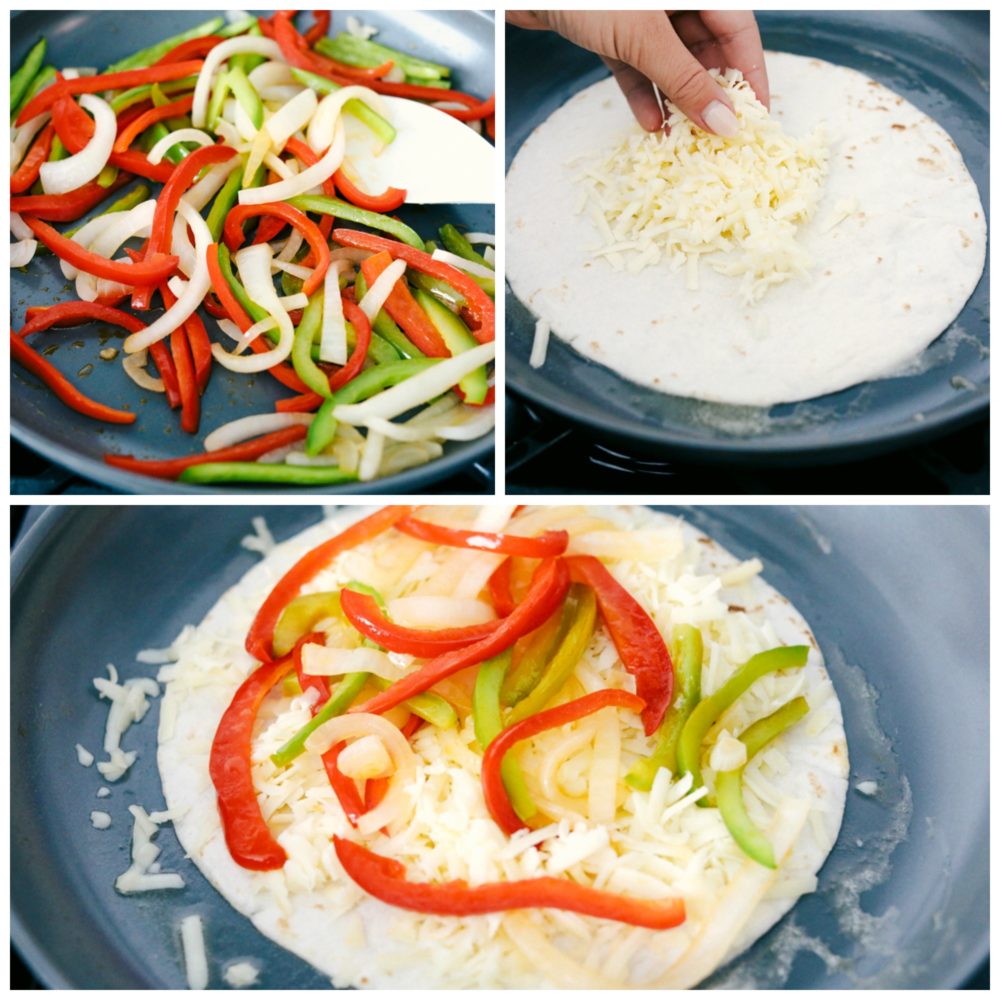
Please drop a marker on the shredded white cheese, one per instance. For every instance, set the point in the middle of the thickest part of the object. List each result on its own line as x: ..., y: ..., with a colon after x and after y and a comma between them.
x: 84, y: 756
x: 261, y: 541
x: 103, y: 792
x: 100, y: 820
x: 690, y: 194
x: 129, y: 703
x: 140, y: 876
x: 241, y: 975
x: 866, y: 787
x: 195, y: 957
x: 540, y: 345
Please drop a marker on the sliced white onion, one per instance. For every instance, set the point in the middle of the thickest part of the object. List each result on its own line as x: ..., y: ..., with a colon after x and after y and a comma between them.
x: 193, y: 294
x: 407, y: 455
x: 324, y: 168
x: 296, y: 114
x: 320, y: 133
x: 250, y: 427
x: 298, y: 457
x: 135, y: 368
x: 22, y: 252
x: 215, y: 58
x: 371, y: 456
x: 333, y: 333
x: 359, y: 29
x: 180, y: 245
x: 22, y: 137
x: 259, y: 149
x: 354, y: 255
x: 480, y: 421
x: 200, y: 194
x: 279, y: 93
x: 297, y: 301
x: 324, y: 661
x: 241, y: 120
x: 20, y: 228
x: 296, y: 270
x: 75, y: 72
x: 397, y: 804
x: 475, y: 427
x: 540, y: 345
x: 159, y: 150
x: 276, y: 456
x: 490, y: 256
x: 396, y: 75
x: 431, y: 611
x: 269, y: 74
x: 420, y: 388
x: 365, y: 759
x: 291, y: 247
x: 119, y: 228
x: 229, y: 328
x: 285, y: 169
x: 254, y: 265
x: 62, y: 176
x: 462, y: 264
x: 489, y: 238
x: 373, y: 300
x: 229, y: 134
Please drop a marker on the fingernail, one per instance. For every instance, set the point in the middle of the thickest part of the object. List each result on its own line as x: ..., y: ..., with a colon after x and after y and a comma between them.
x: 720, y: 120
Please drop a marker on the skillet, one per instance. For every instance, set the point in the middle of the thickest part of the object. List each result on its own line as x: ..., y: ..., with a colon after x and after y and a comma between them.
x: 462, y: 39
x: 940, y: 62
x: 92, y: 585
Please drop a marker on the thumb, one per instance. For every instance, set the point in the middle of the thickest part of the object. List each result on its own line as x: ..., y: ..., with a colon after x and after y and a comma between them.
x: 664, y: 58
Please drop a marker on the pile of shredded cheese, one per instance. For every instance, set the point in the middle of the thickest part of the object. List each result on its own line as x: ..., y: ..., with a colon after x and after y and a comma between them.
x: 688, y: 194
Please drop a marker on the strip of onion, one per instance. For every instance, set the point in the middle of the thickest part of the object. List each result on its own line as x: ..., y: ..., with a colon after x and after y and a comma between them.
x: 482, y: 238
x: 234, y: 112
x: 216, y: 57
x: 194, y: 292
x: 291, y: 247
x: 229, y: 134
x: 349, y: 253
x: 297, y: 301
x: 326, y: 661
x: 200, y: 194
x: 277, y: 455
x: 160, y: 148
x: 490, y: 256
x: 462, y: 264
x: 294, y: 115
x: 135, y: 368
x: 285, y: 169
x: 428, y: 611
x: 408, y: 455
x: 63, y: 176
x: 397, y: 805
x: 556, y: 753
x: 296, y: 270
x: 373, y: 300
x: 21, y: 138
x: 20, y: 228
x: 480, y: 421
x: 254, y: 265
x: 107, y: 239
x: 531, y: 938
x: 397, y: 75
x: 296, y: 457
x: 183, y: 247
x: 604, y: 766
x: 333, y: 332
x: 269, y: 74
x: 320, y: 133
x: 230, y: 329
x: 540, y: 345
x: 743, y: 894
x: 371, y: 457
x: 22, y: 252
x: 278, y: 94
x: 418, y: 389
x: 253, y: 426
x: 649, y: 545
x: 324, y: 168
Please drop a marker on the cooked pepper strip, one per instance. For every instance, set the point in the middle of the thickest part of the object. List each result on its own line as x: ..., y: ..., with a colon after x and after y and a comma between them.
x: 385, y: 879
x: 687, y: 657
x: 261, y: 634
x: 578, y: 618
x: 26, y: 72
x: 44, y: 100
x: 388, y: 201
x: 187, y: 383
x: 709, y: 709
x: 246, y: 451
x: 74, y: 313
x: 454, y: 241
x: 273, y: 473
x: 364, y: 614
x: 30, y: 167
x: 64, y: 207
x: 429, y: 707
x: 62, y: 387
x: 478, y: 303
x: 544, y: 546
x: 493, y: 788
x: 234, y: 235
x: 355, y: 108
x: 474, y: 387
x: 547, y: 590
x: 138, y: 125
x: 151, y: 271
x: 729, y: 784
x: 251, y: 844
x: 636, y: 637
x: 488, y: 722
x: 384, y: 325
x: 345, y: 210
x: 499, y: 587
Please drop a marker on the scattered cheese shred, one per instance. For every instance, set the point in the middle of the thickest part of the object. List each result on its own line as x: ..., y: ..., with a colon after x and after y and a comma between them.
x: 143, y: 875
x: 129, y: 703
x: 540, y: 345
x: 100, y: 820
x: 688, y: 194
x: 241, y: 975
x: 84, y: 756
x: 195, y: 957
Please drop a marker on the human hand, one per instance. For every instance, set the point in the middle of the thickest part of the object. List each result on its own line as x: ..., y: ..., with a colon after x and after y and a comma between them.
x: 669, y: 50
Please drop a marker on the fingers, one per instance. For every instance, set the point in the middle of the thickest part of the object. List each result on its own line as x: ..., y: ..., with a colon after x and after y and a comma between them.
x: 660, y: 55
x: 638, y: 91
x: 733, y: 41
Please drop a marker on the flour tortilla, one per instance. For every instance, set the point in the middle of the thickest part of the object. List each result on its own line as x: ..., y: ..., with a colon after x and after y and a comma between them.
x: 885, y: 281
x: 358, y: 941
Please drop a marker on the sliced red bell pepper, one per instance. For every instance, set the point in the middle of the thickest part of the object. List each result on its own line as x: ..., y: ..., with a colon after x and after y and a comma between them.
x: 138, y: 163
x: 73, y: 313
x: 296, y: 51
x: 304, y: 152
x: 261, y: 632
x: 234, y: 235
x: 44, y: 99
x: 497, y: 800
x: 28, y: 169
x: 160, y: 354
x: 363, y: 341
x: 127, y: 135
x: 151, y: 271
x: 405, y: 310
x: 473, y: 113
x: 491, y: 126
x: 193, y: 48
x: 419, y: 93
x: 499, y: 587
x: 247, y: 451
x: 363, y: 613
x: 547, y: 590
x: 549, y: 543
x: 66, y: 207
x: 635, y: 636
x: 28, y: 358
x: 385, y: 879
x: 251, y: 844
x: 201, y: 349
x: 268, y: 229
x: 320, y: 26
x: 388, y: 201
x: 180, y: 351
x: 479, y: 304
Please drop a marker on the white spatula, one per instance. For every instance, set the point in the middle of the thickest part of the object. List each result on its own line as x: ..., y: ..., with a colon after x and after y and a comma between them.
x: 435, y: 157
